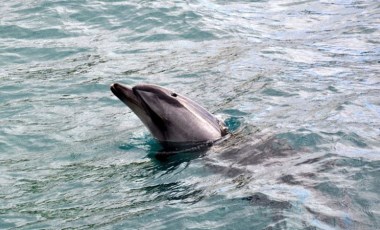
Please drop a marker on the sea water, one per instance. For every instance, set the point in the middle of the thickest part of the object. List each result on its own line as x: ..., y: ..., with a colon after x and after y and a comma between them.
x: 297, y: 83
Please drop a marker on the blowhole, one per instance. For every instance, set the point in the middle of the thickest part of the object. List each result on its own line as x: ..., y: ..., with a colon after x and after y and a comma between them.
x: 174, y: 94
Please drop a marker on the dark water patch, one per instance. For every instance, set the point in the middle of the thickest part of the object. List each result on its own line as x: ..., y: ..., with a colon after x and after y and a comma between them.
x: 164, y: 159
x: 298, y: 141
x: 174, y: 162
x: 233, y: 124
x: 311, y: 161
x: 170, y: 159
x: 33, y: 186
x: 260, y: 199
x: 146, y: 142
x: 327, y: 164
x: 173, y: 192
x: 276, y: 93
x: 330, y: 189
x: 355, y: 139
x: 352, y: 138
x: 194, y: 34
x: 127, y: 147
x: 289, y: 179
x: 332, y: 89
x: 248, y: 154
x: 356, y: 163
x: 131, y: 72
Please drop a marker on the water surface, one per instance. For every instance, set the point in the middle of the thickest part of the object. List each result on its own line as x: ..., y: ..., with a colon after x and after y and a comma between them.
x: 297, y: 82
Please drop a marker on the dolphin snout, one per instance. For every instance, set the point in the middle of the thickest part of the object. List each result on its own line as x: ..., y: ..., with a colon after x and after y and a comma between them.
x: 114, y: 86
x: 124, y: 93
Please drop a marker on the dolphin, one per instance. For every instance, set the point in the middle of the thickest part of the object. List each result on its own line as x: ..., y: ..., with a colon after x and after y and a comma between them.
x: 172, y: 119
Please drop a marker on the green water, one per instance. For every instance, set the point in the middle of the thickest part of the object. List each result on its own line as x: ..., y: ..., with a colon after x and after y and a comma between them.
x: 297, y: 82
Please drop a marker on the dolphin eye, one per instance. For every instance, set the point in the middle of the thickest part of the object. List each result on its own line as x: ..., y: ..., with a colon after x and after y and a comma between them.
x: 174, y: 94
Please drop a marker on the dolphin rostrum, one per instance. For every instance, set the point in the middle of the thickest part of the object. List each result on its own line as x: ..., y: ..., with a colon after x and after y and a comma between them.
x: 170, y: 117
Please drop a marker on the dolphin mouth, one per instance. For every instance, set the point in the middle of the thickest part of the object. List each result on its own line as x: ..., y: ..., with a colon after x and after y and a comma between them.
x: 125, y: 94
x: 132, y: 98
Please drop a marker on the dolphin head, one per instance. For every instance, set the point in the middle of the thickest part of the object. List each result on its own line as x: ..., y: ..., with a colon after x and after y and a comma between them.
x: 170, y: 117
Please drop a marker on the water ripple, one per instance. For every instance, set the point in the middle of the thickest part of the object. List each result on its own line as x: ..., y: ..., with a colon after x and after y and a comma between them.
x: 296, y: 82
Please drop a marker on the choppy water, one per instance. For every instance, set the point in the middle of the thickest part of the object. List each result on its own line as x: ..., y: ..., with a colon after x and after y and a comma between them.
x: 297, y: 82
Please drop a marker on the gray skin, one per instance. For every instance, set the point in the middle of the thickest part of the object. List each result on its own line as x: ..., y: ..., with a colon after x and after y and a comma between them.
x: 170, y: 117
